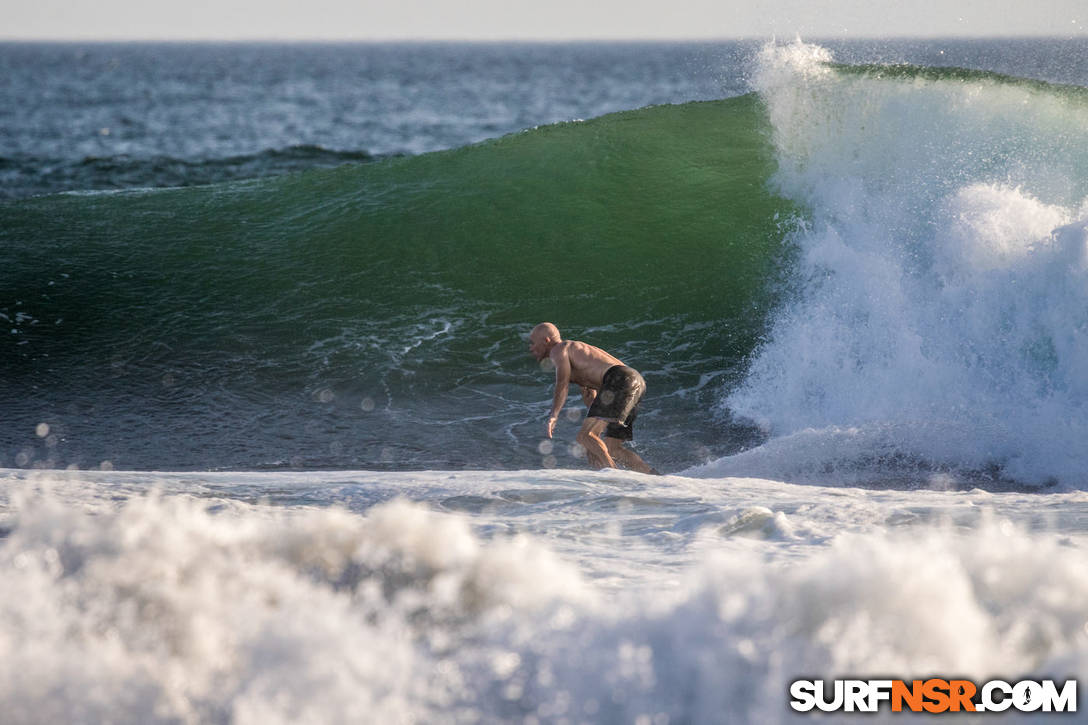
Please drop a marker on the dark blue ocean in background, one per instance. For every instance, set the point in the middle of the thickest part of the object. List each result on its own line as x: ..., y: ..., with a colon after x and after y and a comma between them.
x: 109, y: 116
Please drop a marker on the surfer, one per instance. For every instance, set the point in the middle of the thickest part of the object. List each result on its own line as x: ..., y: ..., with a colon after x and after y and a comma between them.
x: 610, y: 390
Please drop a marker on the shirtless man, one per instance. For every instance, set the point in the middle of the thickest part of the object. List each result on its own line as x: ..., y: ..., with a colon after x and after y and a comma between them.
x: 610, y: 389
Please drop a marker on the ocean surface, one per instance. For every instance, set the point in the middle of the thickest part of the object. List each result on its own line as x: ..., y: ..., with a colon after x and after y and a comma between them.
x: 272, y: 444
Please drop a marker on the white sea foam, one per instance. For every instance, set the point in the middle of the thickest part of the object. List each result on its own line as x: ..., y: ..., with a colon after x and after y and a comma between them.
x: 160, y: 611
x: 942, y: 299
x: 170, y: 608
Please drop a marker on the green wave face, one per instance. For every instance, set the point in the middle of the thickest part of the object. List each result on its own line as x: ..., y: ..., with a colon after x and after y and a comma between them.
x: 632, y: 216
x: 408, y: 281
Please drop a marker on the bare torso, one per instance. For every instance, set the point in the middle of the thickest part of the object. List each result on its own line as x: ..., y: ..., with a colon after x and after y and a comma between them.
x: 587, y: 363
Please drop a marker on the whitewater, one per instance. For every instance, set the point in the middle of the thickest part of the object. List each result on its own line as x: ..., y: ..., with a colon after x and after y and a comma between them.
x: 942, y: 314
x: 884, y: 475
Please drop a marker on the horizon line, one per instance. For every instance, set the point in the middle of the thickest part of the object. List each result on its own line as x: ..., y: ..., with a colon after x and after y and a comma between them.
x: 530, y: 40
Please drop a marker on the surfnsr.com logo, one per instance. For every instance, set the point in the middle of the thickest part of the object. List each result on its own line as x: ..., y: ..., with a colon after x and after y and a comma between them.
x: 933, y: 695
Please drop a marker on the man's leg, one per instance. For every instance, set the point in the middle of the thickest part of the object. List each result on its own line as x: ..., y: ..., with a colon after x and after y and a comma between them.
x: 626, y: 457
x: 589, y: 437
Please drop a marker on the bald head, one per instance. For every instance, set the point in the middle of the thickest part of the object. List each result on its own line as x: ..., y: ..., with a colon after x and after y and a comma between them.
x: 542, y: 339
x: 546, y: 329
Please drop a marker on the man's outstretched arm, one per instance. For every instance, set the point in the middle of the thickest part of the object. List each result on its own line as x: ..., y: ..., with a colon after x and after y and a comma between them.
x: 562, y: 383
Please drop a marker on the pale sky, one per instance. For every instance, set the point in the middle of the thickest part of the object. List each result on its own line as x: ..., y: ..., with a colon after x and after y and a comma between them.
x: 533, y: 20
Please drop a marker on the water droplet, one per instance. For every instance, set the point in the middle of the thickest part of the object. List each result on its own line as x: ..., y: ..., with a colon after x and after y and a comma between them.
x: 505, y: 663
x: 545, y: 447
x: 42, y: 430
x: 367, y: 404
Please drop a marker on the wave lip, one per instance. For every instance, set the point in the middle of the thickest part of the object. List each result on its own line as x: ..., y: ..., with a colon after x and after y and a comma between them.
x: 941, y: 286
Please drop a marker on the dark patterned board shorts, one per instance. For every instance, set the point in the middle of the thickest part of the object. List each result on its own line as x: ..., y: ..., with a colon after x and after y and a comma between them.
x: 617, y: 401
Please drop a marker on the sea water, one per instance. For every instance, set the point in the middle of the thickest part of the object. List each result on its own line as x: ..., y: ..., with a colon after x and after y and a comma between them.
x: 851, y: 275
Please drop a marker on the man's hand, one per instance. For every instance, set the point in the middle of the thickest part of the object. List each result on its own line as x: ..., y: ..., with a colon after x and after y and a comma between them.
x: 588, y: 396
x: 551, y: 425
